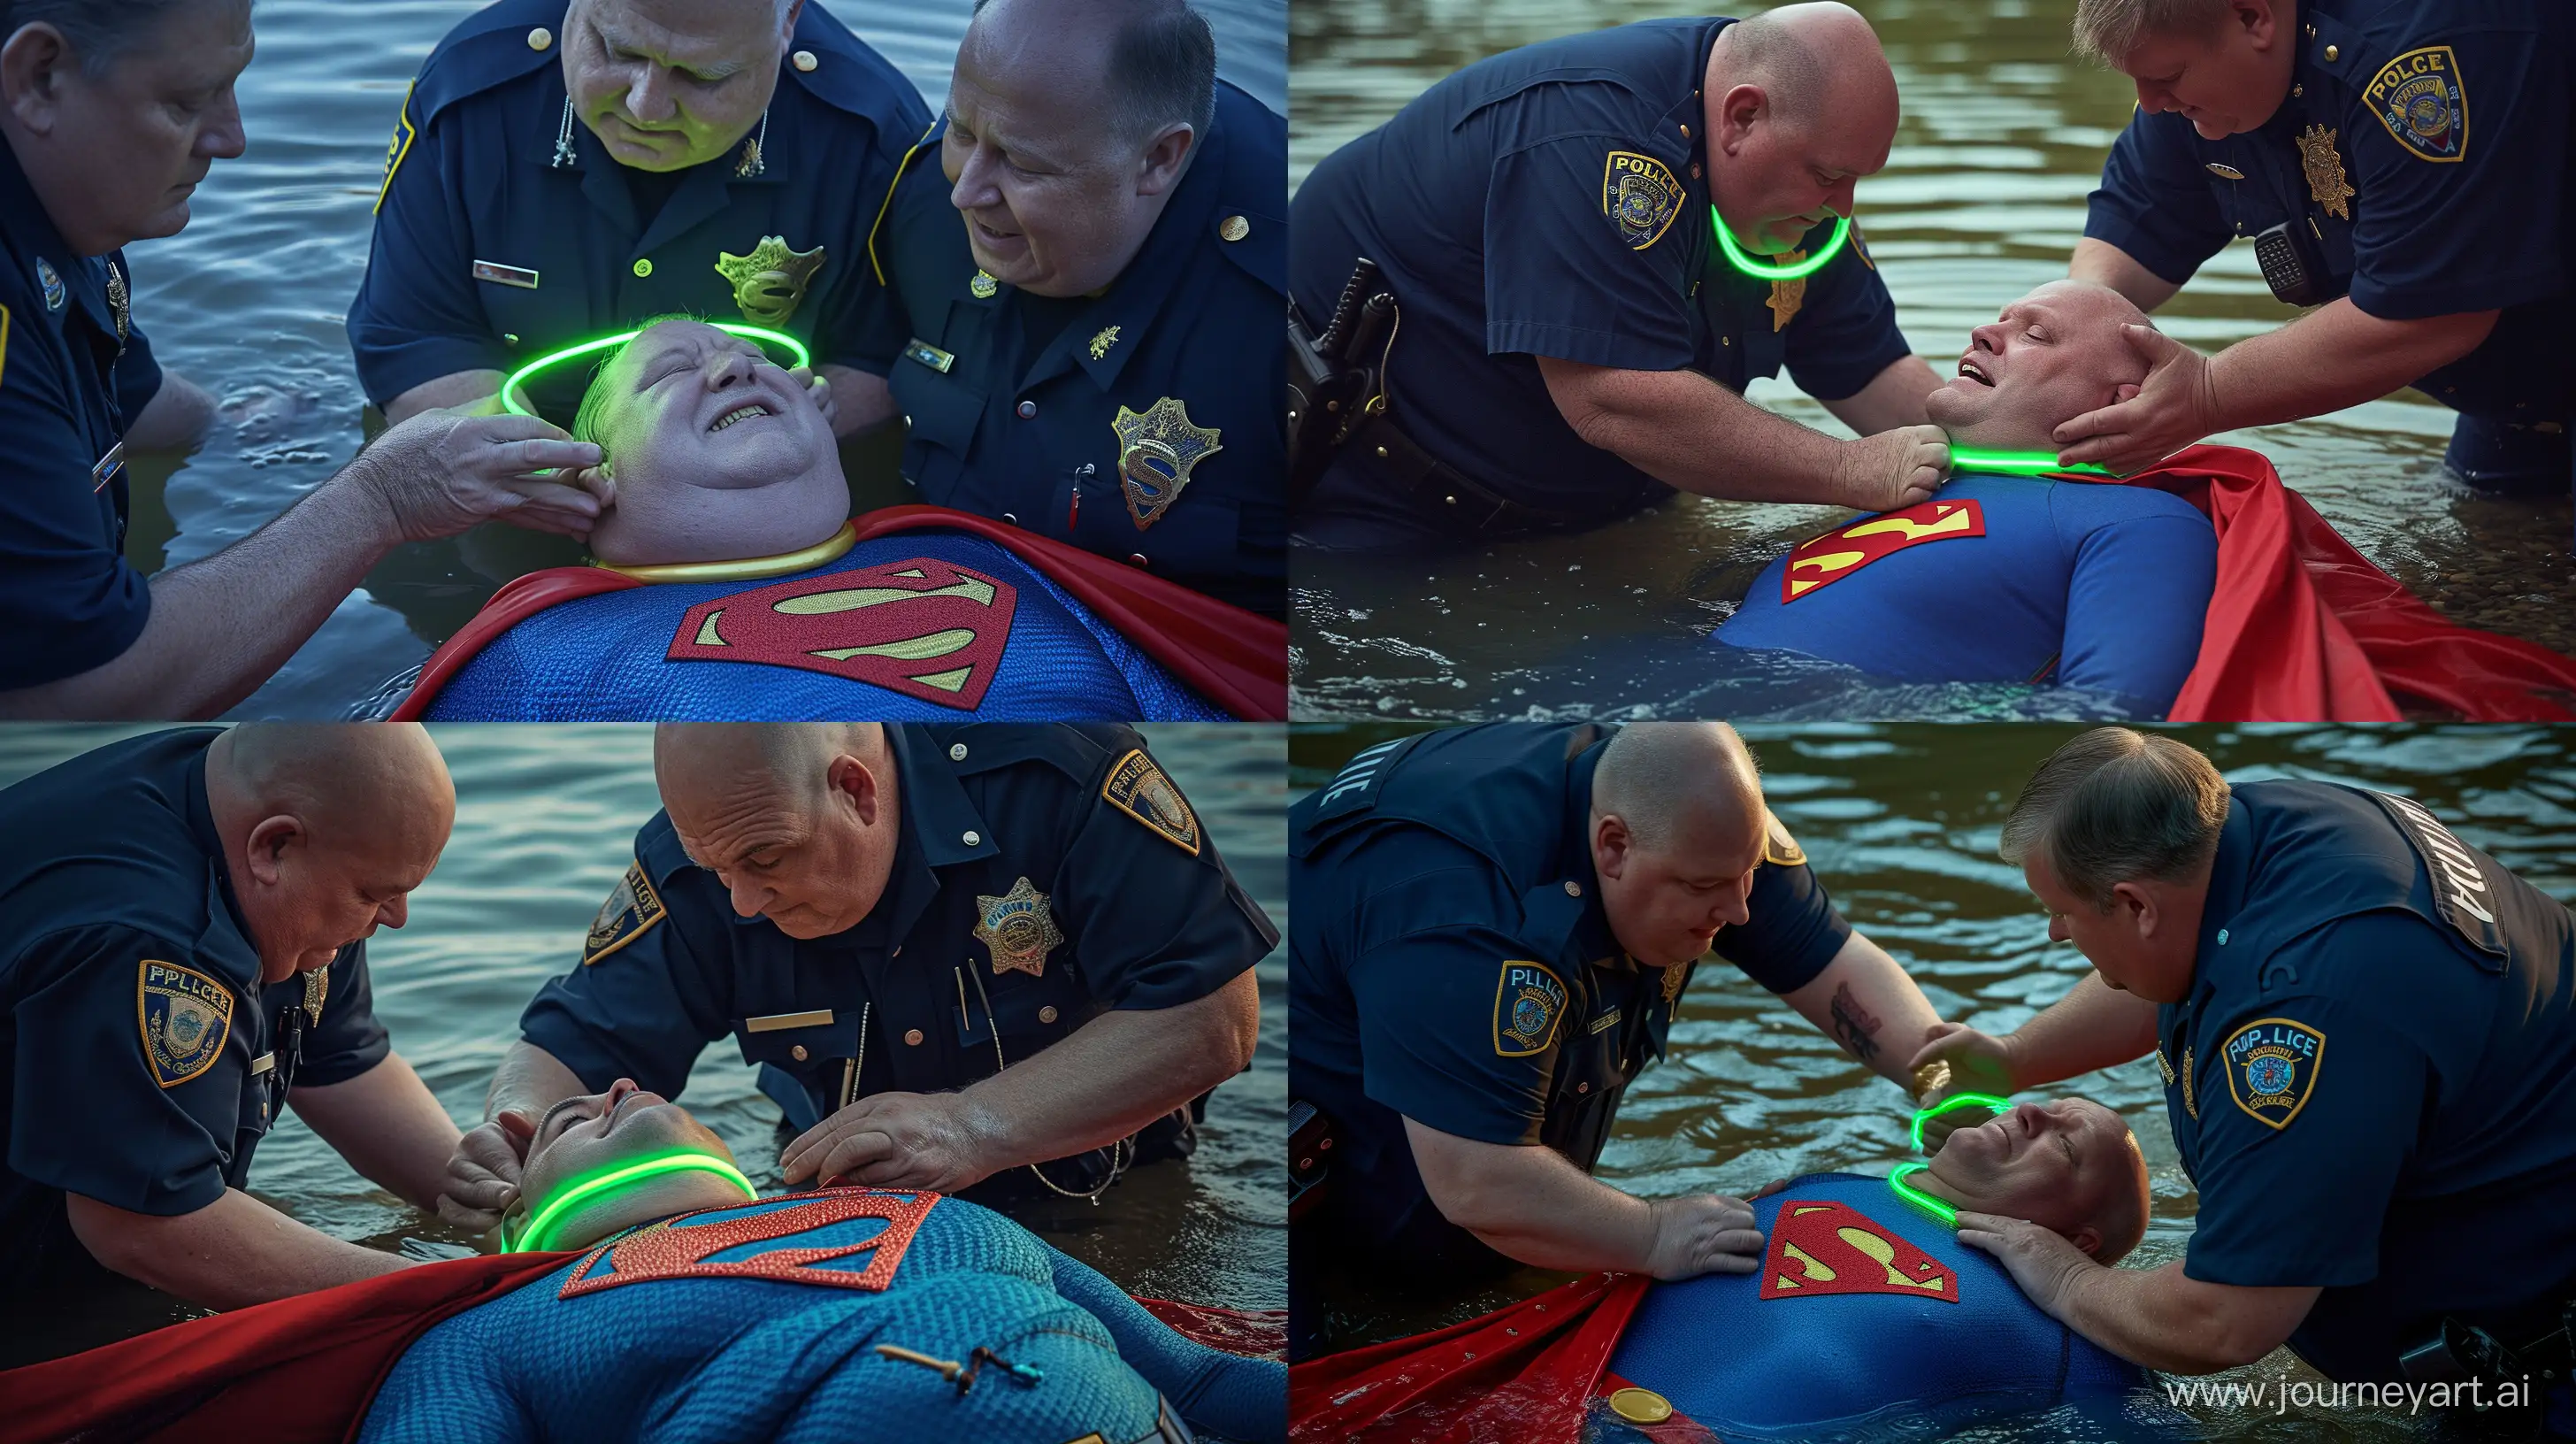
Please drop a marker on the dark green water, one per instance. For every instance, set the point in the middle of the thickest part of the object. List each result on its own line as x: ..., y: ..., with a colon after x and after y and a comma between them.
x: 250, y: 300
x: 1901, y: 823
x: 2003, y: 135
x: 545, y: 823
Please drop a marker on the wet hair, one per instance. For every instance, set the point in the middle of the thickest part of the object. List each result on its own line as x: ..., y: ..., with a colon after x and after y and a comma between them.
x: 100, y: 32
x: 594, y: 396
x: 1162, y: 68
x: 2116, y: 805
x: 2109, y: 29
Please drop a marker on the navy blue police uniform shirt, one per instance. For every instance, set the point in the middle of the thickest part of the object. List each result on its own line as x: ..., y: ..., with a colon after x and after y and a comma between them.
x: 1552, y: 201
x: 2427, y: 147
x: 1449, y: 962
x: 2373, y: 1080
x: 141, y: 1059
x: 1141, y: 424
x: 500, y: 236
x: 1046, y: 874
x: 74, y: 373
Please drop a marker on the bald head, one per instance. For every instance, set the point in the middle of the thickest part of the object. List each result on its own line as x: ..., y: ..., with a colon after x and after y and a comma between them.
x: 1815, y: 60
x: 799, y: 820
x: 1140, y: 64
x: 770, y: 764
x: 385, y: 778
x: 1676, y: 782
x: 1799, y: 103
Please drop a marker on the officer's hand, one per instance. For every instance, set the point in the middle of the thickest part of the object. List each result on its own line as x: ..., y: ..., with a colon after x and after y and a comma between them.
x: 1956, y: 1058
x: 1894, y: 468
x: 2043, y: 1263
x: 483, y: 1173
x: 1703, y: 1234
x: 819, y: 389
x: 439, y: 473
x: 934, y: 1141
x: 2177, y: 406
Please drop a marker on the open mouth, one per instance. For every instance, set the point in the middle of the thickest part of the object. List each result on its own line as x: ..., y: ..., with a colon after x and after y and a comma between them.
x: 1974, y: 372
x: 741, y: 413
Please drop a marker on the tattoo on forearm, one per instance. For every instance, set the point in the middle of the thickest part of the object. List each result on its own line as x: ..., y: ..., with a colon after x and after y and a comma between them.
x: 1854, y: 1026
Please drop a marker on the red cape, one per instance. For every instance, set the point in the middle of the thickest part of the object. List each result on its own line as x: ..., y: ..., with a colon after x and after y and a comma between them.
x: 1234, y: 658
x: 2303, y: 628
x: 303, y: 1370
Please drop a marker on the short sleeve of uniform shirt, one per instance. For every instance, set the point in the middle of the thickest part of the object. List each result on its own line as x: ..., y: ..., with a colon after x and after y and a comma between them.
x: 646, y: 1006
x: 88, y: 1111
x: 1845, y: 331
x: 2155, y: 202
x: 1155, y: 925
x: 2471, y: 218
x: 68, y: 600
x: 2291, y: 1198
x: 1792, y: 930
x: 1563, y: 278
x: 349, y: 1040
x: 417, y: 315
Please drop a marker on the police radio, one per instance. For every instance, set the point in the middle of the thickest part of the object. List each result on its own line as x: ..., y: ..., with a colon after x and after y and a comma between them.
x: 2293, y: 266
x: 1329, y: 374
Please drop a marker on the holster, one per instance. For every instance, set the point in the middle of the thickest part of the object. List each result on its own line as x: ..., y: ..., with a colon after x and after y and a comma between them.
x: 1310, y: 1147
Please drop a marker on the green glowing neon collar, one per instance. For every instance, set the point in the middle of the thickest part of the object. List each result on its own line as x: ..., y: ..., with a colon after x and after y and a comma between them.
x: 1937, y: 1207
x: 539, y: 1234
x: 2015, y: 463
x: 513, y: 391
x: 1760, y: 270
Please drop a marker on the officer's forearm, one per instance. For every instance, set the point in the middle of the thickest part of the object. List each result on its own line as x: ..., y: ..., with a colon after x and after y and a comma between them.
x: 1113, y: 1075
x: 2105, y: 264
x: 2165, y: 1320
x: 222, y: 626
x: 530, y: 1080
x: 478, y: 392
x: 1687, y: 431
x: 175, y: 419
x: 388, y: 1127
x: 1531, y: 1205
x: 2335, y: 356
x: 1867, y: 1003
x: 2093, y: 1026
x: 1893, y: 398
x: 232, y: 1253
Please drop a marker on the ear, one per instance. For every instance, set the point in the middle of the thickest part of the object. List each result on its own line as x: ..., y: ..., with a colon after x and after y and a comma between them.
x: 787, y: 26
x: 2087, y: 1240
x: 1160, y: 170
x: 850, y: 778
x: 2254, y: 17
x: 1738, y: 111
x: 519, y: 1128
x: 35, y: 66
x: 1611, y: 844
x: 2131, y: 899
x: 270, y: 841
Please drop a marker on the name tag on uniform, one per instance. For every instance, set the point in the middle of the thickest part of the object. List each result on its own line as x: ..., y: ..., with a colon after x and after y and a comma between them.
x: 929, y: 355
x: 775, y: 1021
x: 1606, y: 1020
x: 105, y: 469
x: 262, y: 1064
x: 519, y: 276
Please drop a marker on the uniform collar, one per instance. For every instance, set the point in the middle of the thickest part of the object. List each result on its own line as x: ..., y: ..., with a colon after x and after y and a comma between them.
x: 31, y: 226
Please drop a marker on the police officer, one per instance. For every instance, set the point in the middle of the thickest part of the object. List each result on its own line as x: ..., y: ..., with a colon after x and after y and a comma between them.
x: 1063, y: 960
x: 2435, y: 248
x: 2367, y: 1031
x: 1563, y: 302
x: 1090, y: 249
x: 563, y: 170
x: 1494, y: 925
x: 183, y: 925
x: 93, y: 160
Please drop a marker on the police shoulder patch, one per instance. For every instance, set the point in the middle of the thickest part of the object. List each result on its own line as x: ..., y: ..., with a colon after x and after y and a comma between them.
x: 185, y: 1017
x: 1778, y: 847
x: 1640, y: 196
x: 630, y: 912
x: 1528, y: 1001
x: 1138, y: 788
x: 2272, y: 1067
x: 400, y: 146
x: 2423, y: 100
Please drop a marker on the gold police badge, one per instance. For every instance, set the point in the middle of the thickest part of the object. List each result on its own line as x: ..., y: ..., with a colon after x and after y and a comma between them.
x: 1640, y: 196
x: 1138, y: 788
x: 1019, y: 929
x: 117, y: 304
x: 1674, y: 977
x: 630, y: 912
x: 185, y: 1017
x: 984, y: 286
x: 2324, y: 165
x: 1157, y: 449
x: 1787, y: 296
x: 770, y: 283
x: 317, y: 986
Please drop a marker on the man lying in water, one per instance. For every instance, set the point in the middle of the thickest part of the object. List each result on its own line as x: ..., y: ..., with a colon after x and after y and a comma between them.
x: 2004, y: 578
x: 731, y: 584
x: 817, y: 1316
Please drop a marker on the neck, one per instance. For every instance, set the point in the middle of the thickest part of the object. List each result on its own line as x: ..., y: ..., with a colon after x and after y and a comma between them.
x: 35, y: 162
x: 668, y: 523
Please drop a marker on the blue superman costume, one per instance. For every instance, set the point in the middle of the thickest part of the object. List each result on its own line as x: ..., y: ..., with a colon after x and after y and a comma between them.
x: 920, y: 614
x: 757, y: 1321
x: 2203, y: 590
x: 1862, y: 1305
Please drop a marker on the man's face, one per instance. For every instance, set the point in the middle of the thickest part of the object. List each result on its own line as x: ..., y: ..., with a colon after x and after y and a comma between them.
x: 1055, y: 198
x: 584, y: 1136
x: 336, y: 886
x: 2157, y: 968
x: 672, y: 83
x: 692, y: 405
x: 1773, y: 182
x: 2052, y: 356
x: 1665, y: 906
x: 802, y: 867
x: 134, y: 143
x: 2225, y: 82
x: 2064, y: 1165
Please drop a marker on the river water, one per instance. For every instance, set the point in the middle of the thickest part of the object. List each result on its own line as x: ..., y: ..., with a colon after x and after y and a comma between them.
x: 250, y: 301
x: 545, y: 824
x: 1901, y: 824
x: 2003, y: 135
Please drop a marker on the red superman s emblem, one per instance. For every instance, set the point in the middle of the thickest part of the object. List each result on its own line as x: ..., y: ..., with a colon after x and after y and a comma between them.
x: 1822, y: 561
x: 677, y: 1248
x: 1832, y: 1248
x: 925, y: 628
